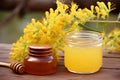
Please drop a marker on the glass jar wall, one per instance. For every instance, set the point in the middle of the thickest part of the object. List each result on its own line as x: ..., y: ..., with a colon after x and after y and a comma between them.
x: 83, y: 52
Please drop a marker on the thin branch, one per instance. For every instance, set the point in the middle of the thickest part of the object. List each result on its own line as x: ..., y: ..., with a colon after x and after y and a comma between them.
x: 16, y: 11
x: 106, y: 21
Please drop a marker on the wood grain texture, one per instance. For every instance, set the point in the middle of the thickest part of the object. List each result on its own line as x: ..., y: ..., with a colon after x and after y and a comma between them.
x: 109, y: 71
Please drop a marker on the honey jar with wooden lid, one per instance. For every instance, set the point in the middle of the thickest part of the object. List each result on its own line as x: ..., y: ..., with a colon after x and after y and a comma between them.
x: 40, y: 60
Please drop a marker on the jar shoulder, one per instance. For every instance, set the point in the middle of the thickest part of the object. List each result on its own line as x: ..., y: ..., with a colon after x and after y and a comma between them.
x: 39, y: 59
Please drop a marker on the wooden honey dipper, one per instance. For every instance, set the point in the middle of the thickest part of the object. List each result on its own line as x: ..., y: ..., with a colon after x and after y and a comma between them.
x: 15, y: 66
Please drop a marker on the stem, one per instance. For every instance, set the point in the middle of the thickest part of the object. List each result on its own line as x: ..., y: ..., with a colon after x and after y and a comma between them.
x: 100, y: 21
x: 88, y: 28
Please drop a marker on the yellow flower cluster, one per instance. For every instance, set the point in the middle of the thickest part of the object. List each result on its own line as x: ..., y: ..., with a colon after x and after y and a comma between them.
x: 112, y: 41
x: 52, y: 29
x: 102, y: 10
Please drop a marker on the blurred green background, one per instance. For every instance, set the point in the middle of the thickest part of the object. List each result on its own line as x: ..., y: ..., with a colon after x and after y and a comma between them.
x: 14, y: 29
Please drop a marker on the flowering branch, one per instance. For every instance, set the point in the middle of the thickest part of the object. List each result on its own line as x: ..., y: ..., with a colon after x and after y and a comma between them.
x: 53, y: 28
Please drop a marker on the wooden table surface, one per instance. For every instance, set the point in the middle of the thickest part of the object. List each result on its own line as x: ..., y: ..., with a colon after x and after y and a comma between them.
x: 109, y: 71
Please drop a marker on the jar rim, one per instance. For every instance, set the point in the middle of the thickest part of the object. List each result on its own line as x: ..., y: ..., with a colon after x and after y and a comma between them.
x: 84, y: 38
x: 40, y: 47
x: 84, y: 31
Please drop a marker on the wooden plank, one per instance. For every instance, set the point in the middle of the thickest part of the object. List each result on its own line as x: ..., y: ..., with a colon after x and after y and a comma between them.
x: 4, y: 52
x: 5, y: 46
x: 62, y: 74
x: 114, y: 54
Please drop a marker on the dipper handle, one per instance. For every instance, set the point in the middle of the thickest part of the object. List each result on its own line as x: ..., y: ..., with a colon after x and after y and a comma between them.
x: 4, y: 64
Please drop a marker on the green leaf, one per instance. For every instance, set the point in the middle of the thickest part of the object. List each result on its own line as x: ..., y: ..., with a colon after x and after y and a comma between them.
x: 88, y: 28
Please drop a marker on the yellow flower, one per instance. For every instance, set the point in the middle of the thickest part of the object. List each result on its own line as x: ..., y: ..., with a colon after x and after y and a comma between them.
x: 113, y: 40
x: 109, y: 5
x: 92, y: 8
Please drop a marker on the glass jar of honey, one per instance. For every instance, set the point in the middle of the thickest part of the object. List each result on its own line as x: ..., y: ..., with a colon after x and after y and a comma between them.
x: 40, y: 60
x: 83, y: 52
